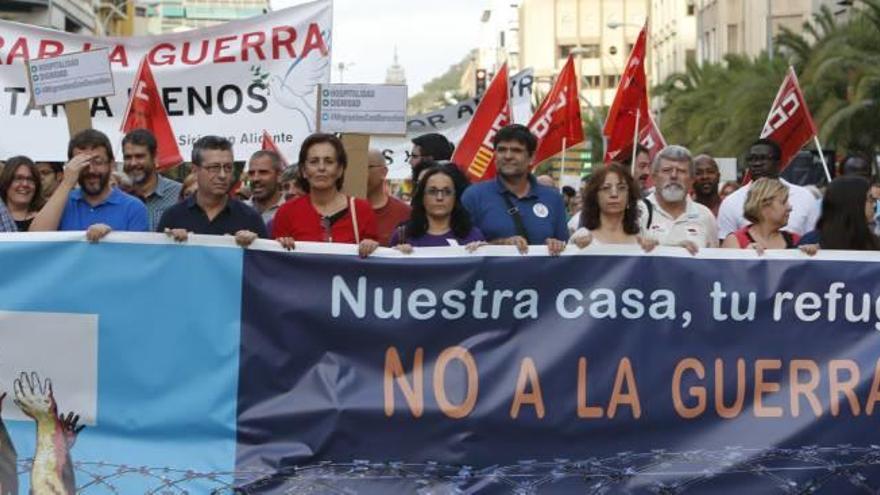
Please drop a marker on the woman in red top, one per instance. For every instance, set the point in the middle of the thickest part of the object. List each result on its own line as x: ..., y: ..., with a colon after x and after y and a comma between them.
x: 767, y: 207
x: 325, y: 214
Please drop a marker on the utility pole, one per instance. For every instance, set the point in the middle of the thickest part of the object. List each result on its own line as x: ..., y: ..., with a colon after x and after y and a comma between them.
x: 769, y: 30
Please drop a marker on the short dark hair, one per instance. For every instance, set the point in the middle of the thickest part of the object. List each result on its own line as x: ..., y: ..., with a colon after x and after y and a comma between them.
x: 568, y: 191
x: 7, y: 175
x: 318, y: 138
x: 141, y: 137
x: 435, y: 146
x: 277, y: 163
x: 209, y: 143
x: 777, y: 150
x: 89, y: 138
x: 518, y: 133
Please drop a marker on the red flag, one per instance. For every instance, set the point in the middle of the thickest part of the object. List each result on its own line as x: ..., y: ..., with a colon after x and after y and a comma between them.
x: 268, y: 144
x: 630, y: 103
x: 558, y: 119
x: 145, y: 111
x: 789, y: 122
x: 650, y: 136
x: 475, y: 153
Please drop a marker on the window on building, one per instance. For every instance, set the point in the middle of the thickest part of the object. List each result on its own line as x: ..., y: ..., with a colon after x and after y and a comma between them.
x: 733, y: 38
x: 592, y: 82
x: 590, y: 50
x: 690, y: 8
x: 612, y: 81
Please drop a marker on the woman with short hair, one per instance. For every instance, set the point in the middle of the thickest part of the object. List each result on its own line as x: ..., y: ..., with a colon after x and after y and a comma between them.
x: 325, y: 213
x: 768, y: 209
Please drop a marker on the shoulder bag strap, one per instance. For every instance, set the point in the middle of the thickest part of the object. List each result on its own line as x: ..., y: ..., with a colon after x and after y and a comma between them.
x: 354, y: 220
x: 513, y: 211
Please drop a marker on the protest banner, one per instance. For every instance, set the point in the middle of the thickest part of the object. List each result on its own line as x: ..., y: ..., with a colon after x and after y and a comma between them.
x: 264, y: 73
x: 451, y: 121
x: 214, y: 367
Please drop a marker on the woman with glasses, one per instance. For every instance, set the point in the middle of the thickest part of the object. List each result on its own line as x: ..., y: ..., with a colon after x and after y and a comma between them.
x: 767, y: 208
x: 438, y: 218
x: 610, y: 213
x: 847, y: 212
x: 325, y: 213
x: 20, y: 190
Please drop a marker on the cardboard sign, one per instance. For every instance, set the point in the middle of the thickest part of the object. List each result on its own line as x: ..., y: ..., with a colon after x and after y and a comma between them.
x: 362, y: 108
x: 76, y: 76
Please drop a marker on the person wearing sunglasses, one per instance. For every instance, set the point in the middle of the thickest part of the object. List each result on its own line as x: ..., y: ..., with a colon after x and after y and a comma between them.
x: 438, y: 217
x: 764, y: 160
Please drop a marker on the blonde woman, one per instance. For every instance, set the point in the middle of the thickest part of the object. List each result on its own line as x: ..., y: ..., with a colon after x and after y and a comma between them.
x: 767, y: 208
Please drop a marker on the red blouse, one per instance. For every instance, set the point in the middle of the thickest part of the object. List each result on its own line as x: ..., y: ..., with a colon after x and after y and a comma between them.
x: 299, y: 219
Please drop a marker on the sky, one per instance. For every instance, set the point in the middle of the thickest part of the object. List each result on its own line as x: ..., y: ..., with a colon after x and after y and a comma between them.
x: 430, y: 35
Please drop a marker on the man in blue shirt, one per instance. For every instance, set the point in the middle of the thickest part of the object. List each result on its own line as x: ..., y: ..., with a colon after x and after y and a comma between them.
x: 514, y: 209
x: 95, y: 207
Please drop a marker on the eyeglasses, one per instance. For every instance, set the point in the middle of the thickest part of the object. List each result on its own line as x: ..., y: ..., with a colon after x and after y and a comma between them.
x: 439, y: 193
x: 216, y: 168
x: 24, y: 178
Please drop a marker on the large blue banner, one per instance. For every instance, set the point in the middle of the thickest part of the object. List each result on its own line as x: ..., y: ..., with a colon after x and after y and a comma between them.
x: 215, y: 369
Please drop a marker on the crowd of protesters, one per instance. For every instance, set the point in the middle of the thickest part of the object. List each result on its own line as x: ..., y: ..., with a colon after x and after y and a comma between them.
x: 674, y: 199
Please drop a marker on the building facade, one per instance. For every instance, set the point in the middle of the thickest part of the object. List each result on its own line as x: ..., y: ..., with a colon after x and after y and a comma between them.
x: 673, y: 37
x: 746, y: 27
x: 182, y: 15
x: 599, y: 33
x: 74, y: 16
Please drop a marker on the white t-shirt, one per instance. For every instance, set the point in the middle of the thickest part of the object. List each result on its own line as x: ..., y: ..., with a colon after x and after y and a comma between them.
x: 696, y: 224
x: 803, y: 218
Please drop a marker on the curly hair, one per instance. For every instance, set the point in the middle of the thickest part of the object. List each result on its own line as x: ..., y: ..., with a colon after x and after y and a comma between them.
x: 590, y: 214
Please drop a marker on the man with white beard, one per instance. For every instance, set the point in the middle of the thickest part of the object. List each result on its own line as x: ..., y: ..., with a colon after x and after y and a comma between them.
x: 139, y: 163
x: 669, y: 215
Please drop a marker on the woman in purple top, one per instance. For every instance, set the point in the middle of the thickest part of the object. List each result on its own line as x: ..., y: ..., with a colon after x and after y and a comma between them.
x: 438, y: 218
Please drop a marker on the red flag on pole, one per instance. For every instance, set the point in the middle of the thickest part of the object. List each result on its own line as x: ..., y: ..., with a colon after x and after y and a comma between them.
x: 789, y: 122
x: 268, y: 144
x: 558, y: 119
x: 475, y: 153
x: 650, y: 137
x: 146, y: 111
x: 630, y: 103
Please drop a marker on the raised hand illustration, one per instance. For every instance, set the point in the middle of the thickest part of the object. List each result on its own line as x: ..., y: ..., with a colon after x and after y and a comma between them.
x: 52, y: 470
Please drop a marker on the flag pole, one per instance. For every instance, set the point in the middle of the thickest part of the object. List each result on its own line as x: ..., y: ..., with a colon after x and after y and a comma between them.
x: 822, y: 157
x: 562, y: 166
x: 632, y: 158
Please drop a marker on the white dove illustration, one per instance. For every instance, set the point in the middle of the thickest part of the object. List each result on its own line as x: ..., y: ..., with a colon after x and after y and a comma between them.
x: 296, y: 89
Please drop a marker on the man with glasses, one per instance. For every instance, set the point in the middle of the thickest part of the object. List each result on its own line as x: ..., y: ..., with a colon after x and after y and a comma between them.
x: 764, y: 161
x: 428, y: 147
x: 95, y: 207
x: 210, y: 210
x: 514, y: 209
x: 390, y: 211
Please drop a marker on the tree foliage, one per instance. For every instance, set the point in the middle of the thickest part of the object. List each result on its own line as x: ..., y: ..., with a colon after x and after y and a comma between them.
x: 721, y: 108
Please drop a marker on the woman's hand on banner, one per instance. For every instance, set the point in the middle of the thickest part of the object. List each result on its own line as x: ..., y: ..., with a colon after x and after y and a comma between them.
x: 555, y: 246
x: 287, y: 243
x: 366, y: 247
x: 404, y: 248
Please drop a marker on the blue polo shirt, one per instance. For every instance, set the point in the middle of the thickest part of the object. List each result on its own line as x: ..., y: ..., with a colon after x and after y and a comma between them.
x: 542, y: 211
x: 120, y: 211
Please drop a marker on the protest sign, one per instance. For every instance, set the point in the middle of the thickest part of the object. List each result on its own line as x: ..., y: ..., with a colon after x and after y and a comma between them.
x: 233, y: 80
x: 362, y: 108
x: 319, y: 371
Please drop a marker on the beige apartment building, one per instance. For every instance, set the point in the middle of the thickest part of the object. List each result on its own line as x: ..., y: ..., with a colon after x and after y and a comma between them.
x: 746, y: 27
x: 74, y: 16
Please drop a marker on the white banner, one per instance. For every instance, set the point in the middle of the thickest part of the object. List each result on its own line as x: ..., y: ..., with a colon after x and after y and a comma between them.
x: 452, y: 122
x: 233, y: 80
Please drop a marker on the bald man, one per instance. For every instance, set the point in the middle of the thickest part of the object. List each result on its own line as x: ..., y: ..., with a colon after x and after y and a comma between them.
x: 390, y: 211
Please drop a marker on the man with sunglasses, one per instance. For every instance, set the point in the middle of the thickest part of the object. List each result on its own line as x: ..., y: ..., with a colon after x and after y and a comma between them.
x: 210, y: 210
x: 764, y: 161
x: 95, y: 207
